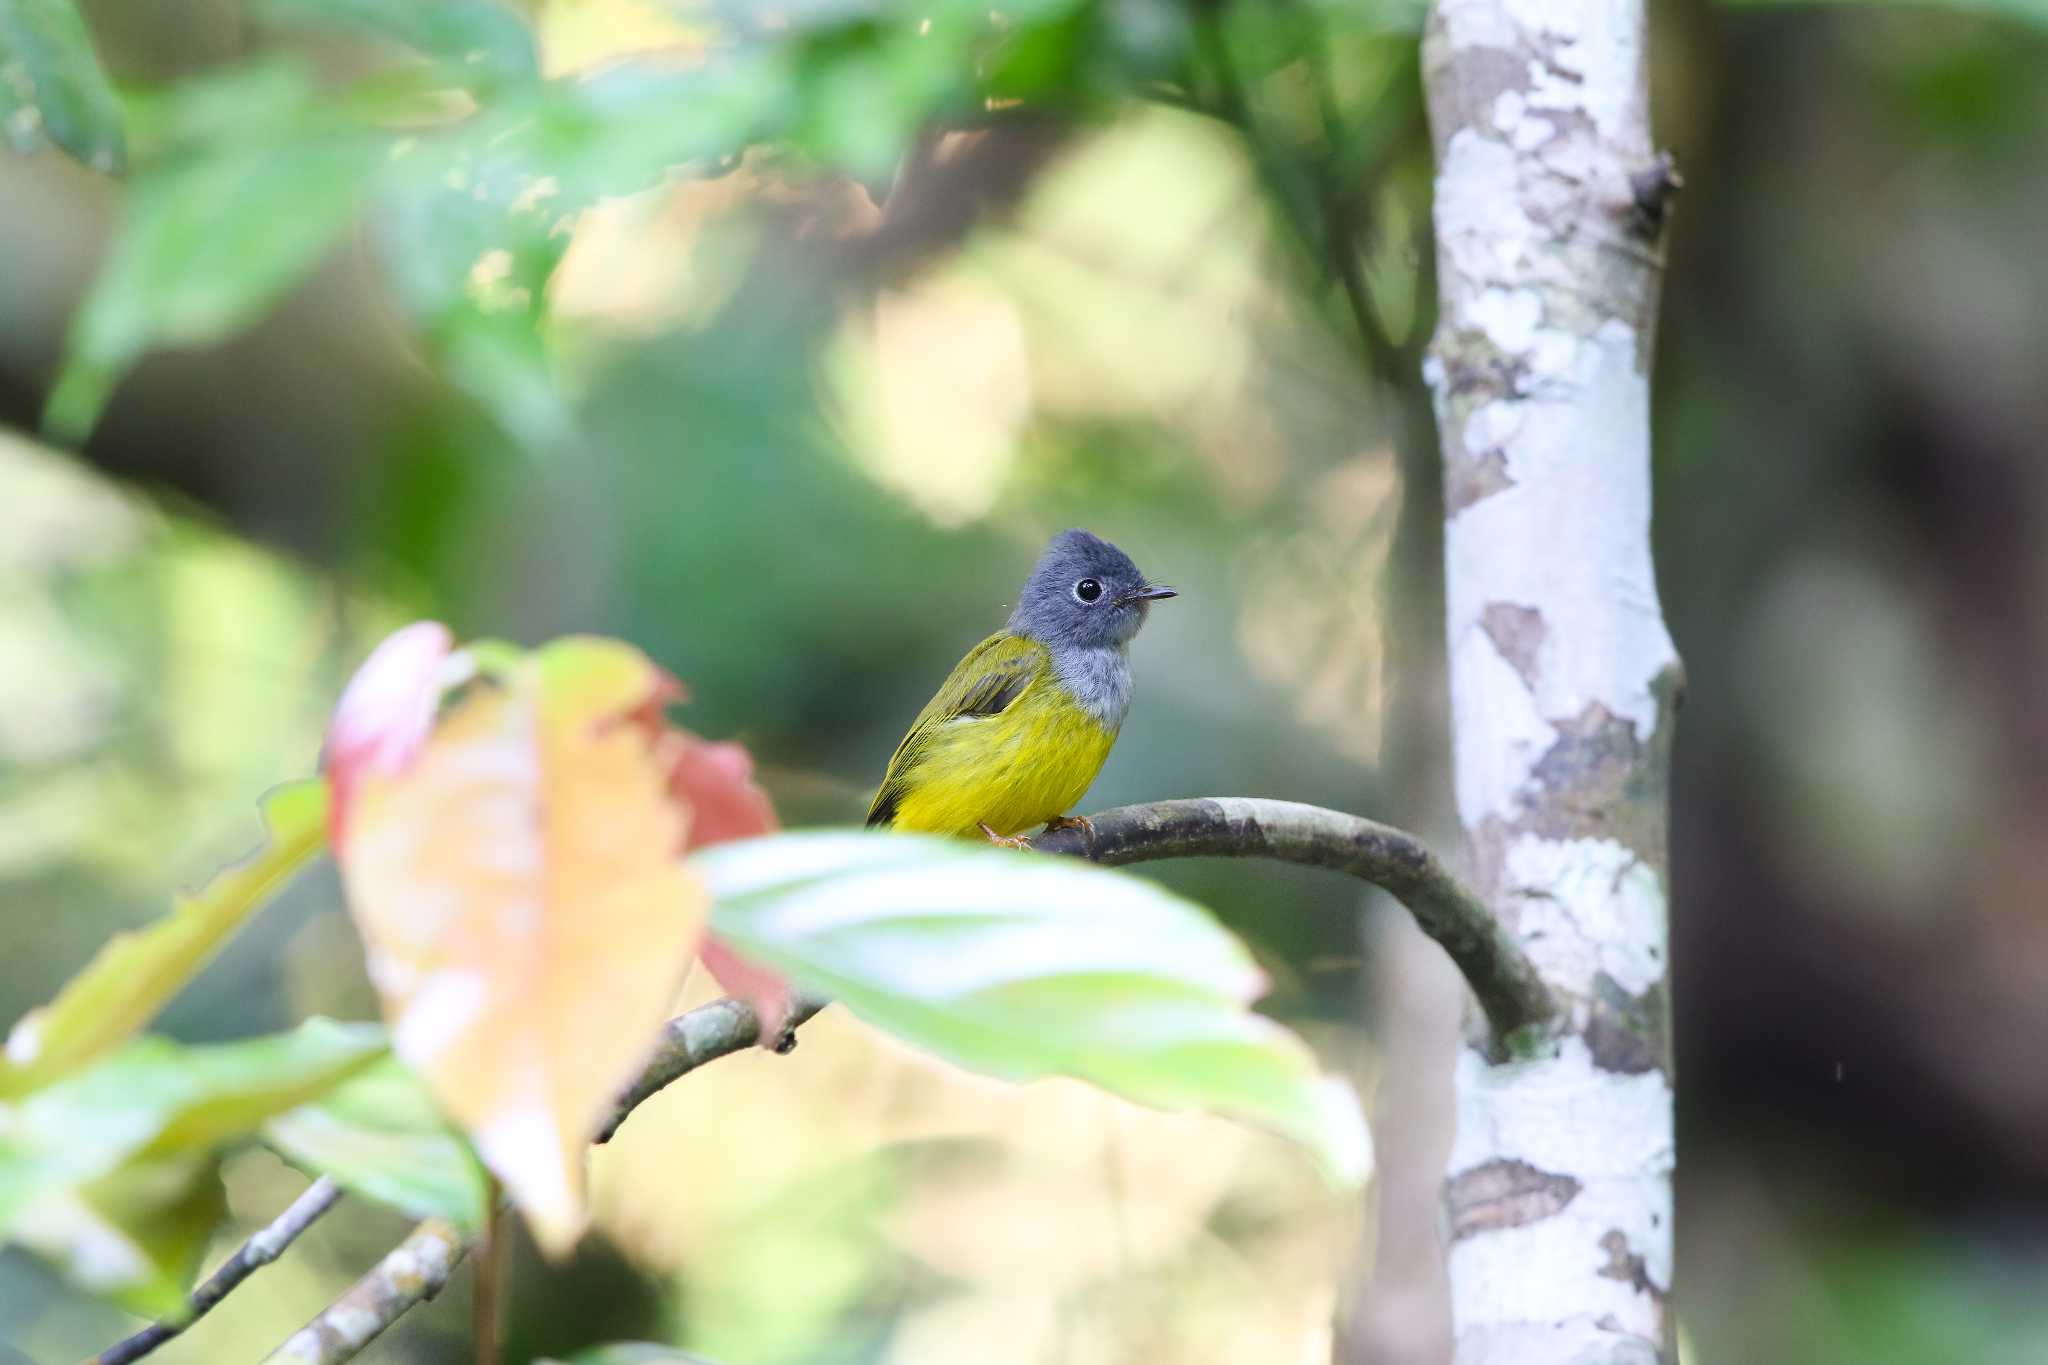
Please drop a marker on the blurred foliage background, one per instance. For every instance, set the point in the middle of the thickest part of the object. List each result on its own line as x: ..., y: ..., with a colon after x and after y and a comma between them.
x: 776, y: 339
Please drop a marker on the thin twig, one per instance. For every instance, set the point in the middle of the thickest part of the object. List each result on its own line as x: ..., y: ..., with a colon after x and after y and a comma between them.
x: 489, y: 1292
x: 1343, y: 234
x: 1509, y: 988
x: 1295, y: 197
x: 260, y: 1250
x: 415, y: 1270
x: 421, y: 1264
x: 1311, y: 199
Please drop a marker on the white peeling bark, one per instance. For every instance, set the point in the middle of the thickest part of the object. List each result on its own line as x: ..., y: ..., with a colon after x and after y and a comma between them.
x: 1549, y: 199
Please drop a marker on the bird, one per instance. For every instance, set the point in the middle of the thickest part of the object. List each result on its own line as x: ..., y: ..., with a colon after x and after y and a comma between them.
x: 1020, y: 728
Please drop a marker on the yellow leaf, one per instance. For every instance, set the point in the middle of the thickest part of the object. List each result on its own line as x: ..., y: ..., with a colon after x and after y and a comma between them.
x: 527, y: 917
x: 130, y: 978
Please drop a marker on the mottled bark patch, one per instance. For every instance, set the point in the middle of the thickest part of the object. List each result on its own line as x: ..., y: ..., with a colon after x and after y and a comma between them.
x: 1505, y: 1194
x: 1517, y: 632
x: 1590, y: 764
x: 1469, y: 372
x: 1467, y: 99
x: 1598, y: 780
x: 1471, y: 480
x: 1570, y: 129
x: 1477, y: 371
x: 1626, y: 1264
x: 1625, y: 1032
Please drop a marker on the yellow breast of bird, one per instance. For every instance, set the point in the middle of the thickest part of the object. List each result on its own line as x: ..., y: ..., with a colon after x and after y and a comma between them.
x: 1014, y: 771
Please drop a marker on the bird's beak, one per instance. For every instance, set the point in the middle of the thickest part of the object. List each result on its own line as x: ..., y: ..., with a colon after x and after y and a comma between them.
x: 1152, y: 592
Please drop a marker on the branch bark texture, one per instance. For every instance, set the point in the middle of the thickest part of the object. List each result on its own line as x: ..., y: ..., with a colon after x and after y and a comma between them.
x: 701, y: 1035
x: 413, y: 1271
x: 1549, y: 200
x: 1501, y: 975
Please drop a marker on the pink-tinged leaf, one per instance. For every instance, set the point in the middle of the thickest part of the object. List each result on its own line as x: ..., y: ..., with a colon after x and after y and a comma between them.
x: 385, y: 713
x: 527, y: 916
x: 716, y: 780
x: 766, y: 991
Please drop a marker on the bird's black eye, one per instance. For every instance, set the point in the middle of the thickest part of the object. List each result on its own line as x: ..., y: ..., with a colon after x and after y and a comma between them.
x: 1087, y: 590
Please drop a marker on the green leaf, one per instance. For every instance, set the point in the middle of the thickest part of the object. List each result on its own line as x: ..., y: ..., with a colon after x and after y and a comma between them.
x: 474, y: 223
x: 1023, y: 966
x: 622, y: 130
x: 209, y: 240
x: 380, y: 1135
x: 155, y: 1097
x: 468, y: 234
x: 51, y: 84
x: 135, y: 1235
x: 134, y: 974
x: 110, y: 1172
x: 476, y: 42
x: 254, y: 101
x: 631, y: 1353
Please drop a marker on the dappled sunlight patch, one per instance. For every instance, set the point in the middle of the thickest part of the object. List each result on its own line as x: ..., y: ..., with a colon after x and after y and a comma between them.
x: 1323, y: 637
x: 934, y: 383
x: 1043, y: 1216
x: 674, y: 256
x: 580, y: 35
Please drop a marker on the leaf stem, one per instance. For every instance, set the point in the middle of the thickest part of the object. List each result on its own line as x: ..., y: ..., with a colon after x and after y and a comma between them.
x: 485, y: 1305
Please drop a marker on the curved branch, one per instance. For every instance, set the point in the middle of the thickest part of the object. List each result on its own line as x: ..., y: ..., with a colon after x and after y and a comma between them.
x: 260, y: 1250
x: 1507, y: 984
x: 414, y: 1270
x: 1510, y: 989
x: 701, y: 1035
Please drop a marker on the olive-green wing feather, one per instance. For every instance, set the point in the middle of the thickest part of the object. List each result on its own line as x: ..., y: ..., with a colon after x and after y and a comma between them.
x: 992, y: 676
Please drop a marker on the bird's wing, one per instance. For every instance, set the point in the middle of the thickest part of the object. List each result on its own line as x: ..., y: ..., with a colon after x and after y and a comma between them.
x: 992, y: 676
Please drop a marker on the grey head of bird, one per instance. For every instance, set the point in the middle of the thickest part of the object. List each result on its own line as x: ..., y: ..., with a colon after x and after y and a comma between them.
x: 1084, y: 593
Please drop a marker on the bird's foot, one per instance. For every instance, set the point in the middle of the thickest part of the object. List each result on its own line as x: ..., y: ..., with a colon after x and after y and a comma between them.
x: 1080, y: 822
x: 1004, y: 840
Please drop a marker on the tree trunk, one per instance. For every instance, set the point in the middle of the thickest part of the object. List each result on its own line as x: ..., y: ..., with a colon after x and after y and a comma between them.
x: 1549, y: 203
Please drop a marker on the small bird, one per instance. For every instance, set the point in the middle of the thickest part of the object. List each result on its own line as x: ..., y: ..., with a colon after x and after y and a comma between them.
x: 1022, y: 726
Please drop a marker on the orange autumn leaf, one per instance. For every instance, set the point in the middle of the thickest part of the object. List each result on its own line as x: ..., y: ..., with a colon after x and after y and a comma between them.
x: 716, y: 780
x: 518, y: 885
